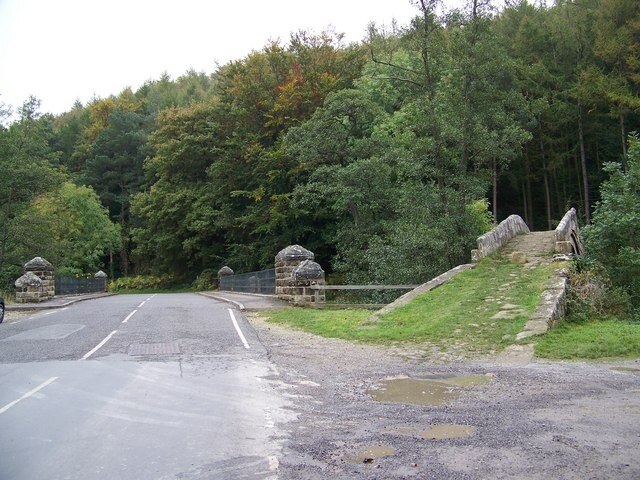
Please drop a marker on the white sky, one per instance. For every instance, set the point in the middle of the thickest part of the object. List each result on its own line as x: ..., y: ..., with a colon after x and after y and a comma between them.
x: 63, y: 50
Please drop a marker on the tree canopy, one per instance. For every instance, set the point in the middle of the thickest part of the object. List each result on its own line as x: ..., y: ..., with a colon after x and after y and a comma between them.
x: 386, y: 157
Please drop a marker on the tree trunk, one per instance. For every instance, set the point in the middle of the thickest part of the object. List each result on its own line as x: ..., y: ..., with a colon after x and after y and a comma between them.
x: 624, y: 142
x: 495, y: 190
x: 546, y: 181
x: 525, y: 208
x: 529, y: 222
x: 583, y: 162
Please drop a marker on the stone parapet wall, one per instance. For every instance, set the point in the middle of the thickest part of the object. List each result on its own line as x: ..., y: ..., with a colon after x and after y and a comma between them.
x: 296, y: 272
x: 567, y: 235
x: 551, y: 309
x: 498, y: 237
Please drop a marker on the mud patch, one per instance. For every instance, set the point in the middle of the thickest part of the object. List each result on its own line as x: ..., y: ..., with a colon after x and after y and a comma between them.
x: 447, y: 431
x: 434, y: 432
x: 432, y: 391
x: 369, y: 454
x: 633, y: 370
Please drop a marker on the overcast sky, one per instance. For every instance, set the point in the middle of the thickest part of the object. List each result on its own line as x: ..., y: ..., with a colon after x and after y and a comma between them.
x: 63, y: 50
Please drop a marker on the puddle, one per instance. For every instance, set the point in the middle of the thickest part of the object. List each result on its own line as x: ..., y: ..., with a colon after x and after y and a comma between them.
x: 434, y: 432
x: 447, y: 430
x: 627, y: 370
x: 433, y: 391
x: 369, y: 454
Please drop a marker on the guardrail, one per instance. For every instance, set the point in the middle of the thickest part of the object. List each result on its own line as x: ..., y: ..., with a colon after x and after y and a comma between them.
x: 263, y: 282
x: 320, y: 289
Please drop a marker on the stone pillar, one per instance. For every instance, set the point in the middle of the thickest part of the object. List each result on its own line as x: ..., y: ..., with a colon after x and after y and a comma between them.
x: 38, y: 282
x: 100, y: 275
x: 223, y: 272
x: 295, y: 273
x: 308, y: 274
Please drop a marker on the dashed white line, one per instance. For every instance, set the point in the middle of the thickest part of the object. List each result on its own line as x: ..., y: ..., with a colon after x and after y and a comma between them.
x: 145, y: 301
x: 129, y: 316
x: 99, y: 346
x: 240, y: 334
x: 28, y: 394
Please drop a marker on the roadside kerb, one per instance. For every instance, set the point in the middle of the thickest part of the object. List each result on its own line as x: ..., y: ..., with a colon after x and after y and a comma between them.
x: 54, y: 303
x: 238, y: 305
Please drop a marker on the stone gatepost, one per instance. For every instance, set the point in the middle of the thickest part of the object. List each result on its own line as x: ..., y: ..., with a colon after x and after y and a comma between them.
x: 101, y: 276
x: 223, y: 272
x: 296, y: 272
x: 38, y: 282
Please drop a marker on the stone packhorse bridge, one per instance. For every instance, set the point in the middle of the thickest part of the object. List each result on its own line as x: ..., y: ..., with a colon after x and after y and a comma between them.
x: 513, y: 238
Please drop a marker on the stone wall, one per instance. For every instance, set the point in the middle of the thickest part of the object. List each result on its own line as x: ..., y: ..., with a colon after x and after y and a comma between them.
x: 296, y: 272
x: 498, y: 237
x: 38, y: 282
x: 551, y: 309
x: 567, y: 235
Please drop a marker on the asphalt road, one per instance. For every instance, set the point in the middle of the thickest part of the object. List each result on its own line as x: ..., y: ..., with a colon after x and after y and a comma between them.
x: 138, y: 387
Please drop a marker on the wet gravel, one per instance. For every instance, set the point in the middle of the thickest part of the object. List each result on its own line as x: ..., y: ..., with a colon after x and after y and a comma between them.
x: 539, y: 420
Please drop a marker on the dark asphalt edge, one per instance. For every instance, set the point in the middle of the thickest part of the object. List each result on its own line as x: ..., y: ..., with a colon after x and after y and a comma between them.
x: 238, y: 305
x: 43, y: 306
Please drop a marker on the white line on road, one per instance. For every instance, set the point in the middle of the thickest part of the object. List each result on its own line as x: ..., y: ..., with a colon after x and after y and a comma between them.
x: 140, y: 306
x: 28, y: 394
x: 240, y: 334
x: 40, y: 315
x: 99, y: 346
x: 129, y: 316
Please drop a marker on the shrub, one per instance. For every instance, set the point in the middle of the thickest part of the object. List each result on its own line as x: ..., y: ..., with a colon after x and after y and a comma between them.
x: 207, y: 280
x: 142, y: 282
x: 612, y: 241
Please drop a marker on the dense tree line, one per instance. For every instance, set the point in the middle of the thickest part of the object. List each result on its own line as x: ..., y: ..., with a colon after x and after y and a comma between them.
x: 387, y: 158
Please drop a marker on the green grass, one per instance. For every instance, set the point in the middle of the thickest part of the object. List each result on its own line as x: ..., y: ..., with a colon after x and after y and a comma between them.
x: 459, y: 311
x: 592, y: 339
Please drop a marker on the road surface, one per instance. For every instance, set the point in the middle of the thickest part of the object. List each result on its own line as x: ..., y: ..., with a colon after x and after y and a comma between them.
x: 138, y: 387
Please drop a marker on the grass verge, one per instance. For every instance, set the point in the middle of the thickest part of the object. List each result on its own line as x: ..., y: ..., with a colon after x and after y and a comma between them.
x: 483, y: 309
x: 591, y: 339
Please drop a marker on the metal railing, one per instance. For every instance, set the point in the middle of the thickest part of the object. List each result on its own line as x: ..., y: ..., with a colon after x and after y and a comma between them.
x: 380, y: 295
x: 74, y: 286
x: 263, y: 282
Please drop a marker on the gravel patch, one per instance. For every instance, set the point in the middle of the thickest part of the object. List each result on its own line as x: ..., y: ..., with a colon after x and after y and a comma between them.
x: 531, y: 420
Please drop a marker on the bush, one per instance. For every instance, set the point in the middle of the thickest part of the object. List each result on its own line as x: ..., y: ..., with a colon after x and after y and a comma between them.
x: 142, y: 282
x: 612, y: 241
x: 591, y: 294
x: 207, y: 280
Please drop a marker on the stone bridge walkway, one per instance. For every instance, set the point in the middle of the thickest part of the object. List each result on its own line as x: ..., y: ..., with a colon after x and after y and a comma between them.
x: 538, y: 247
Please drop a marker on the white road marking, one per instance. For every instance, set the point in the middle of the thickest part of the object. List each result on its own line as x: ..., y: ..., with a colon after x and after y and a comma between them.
x: 28, y: 394
x: 99, y: 346
x: 145, y: 301
x: 240, y: 334
x: 40, y: 315
x: 129, y: 316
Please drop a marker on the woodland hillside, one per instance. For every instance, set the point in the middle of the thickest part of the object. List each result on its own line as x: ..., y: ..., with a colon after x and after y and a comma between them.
x: 387, y: 158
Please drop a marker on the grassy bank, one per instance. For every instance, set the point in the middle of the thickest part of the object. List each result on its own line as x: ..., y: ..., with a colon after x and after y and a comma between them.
x: 592, y: 339
x: 483, y: 308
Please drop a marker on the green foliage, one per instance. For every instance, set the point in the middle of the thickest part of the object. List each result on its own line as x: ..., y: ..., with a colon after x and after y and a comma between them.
x: 142, y: 282
x: 70, y: 228
x: 29, y: 169
x: 207, y: 280
x: 376, y: 156
x: 613, y: 239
